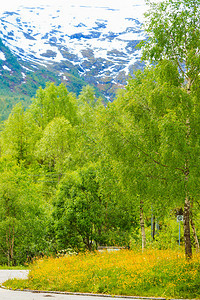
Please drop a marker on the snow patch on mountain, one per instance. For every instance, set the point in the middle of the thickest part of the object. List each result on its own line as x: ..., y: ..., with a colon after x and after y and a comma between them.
x: 6, y: 68
x: 98, y: 38
x: 2, y: 56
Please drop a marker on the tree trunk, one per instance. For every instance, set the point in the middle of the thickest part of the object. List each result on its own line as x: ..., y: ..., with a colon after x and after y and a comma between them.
x: 186, y: 213
x: 186, y: 223
x: 153, y: 227
x: 8, y: 245
x: 194, y: 234
x: 12, y: 244
x: 193, y: 228
x: 142, y: 226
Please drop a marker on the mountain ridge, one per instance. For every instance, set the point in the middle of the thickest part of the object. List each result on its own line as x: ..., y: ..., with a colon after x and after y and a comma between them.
x: 76, y: 50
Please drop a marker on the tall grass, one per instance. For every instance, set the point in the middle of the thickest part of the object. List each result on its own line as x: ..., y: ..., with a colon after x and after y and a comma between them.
x: 153, y: 273
x: 19, y: 267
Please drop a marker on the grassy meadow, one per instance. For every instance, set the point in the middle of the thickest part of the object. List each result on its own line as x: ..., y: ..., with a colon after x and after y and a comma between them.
x: 152, y: 273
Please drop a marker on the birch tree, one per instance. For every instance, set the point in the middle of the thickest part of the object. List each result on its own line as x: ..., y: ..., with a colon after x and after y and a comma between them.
x: 173, y: 28
x: 160, y: 126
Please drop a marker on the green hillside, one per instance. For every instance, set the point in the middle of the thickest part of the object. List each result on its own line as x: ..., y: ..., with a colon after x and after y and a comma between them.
x: 20, y: 80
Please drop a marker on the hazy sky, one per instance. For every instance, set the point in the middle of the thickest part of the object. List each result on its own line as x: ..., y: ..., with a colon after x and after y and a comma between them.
x: 123, y: 5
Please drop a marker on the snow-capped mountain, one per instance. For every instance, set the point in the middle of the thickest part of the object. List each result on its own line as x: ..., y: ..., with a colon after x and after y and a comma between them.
x: 97, y: 41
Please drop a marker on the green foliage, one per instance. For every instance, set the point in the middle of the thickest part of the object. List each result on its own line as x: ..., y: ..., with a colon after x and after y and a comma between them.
x: 22, y: 217
x: 56, y: 145
x: 173, y: 28
x: 53, y: 101
x: 19, y: 135
x: 8, y: 100
x: 153, y: 130
x: 77, y: 174
x: 87, y: 96
x: 85, y: 216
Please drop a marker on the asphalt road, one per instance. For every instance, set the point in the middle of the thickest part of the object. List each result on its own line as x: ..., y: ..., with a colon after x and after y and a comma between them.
x: 23, y: 295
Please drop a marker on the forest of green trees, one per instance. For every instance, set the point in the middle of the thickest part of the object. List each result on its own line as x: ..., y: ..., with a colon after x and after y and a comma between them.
x: 76, y: 174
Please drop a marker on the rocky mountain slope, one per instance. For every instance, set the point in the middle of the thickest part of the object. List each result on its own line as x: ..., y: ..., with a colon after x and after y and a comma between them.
x: 73, y: 44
